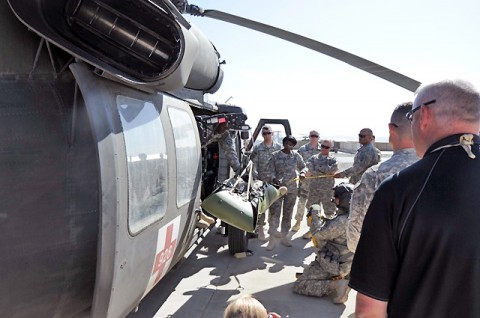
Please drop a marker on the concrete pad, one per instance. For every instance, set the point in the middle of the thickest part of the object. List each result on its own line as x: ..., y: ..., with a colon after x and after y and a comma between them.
x: 205, y: 281
x: 203, y: 284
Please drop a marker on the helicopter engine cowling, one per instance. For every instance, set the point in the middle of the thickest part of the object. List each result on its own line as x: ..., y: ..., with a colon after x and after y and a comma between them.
x: 139, y: 42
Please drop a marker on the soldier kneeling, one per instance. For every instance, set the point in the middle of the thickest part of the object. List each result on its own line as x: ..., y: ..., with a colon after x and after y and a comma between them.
x: 328, y: 273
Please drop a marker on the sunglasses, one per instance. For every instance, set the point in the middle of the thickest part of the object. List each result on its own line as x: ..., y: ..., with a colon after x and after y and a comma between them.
x: 325, y: 147
x: 362, y: 136
x: 314, y: 136
x: 266, y: 133
x: 409, y: 115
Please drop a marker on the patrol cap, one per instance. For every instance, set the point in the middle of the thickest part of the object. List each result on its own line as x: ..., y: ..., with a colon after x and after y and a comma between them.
x: 314, y: 132
x: 267, y: 128
x: 291, y: 139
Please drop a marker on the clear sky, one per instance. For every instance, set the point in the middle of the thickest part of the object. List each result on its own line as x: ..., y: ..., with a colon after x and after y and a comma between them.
x: 272, y: 78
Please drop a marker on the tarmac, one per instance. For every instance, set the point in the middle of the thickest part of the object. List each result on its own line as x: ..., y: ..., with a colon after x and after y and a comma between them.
x: 203, y: 283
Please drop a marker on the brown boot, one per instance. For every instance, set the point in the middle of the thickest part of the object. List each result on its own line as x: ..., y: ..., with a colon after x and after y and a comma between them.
x: 296, y: 226
x: 261, y: 234
x: 201, y: 224
x: 307, y: 235
x: 276, y: 234
x: 285, y: 240
x: 271, y: 243
x: 206, y: 218
x: 341, y: 291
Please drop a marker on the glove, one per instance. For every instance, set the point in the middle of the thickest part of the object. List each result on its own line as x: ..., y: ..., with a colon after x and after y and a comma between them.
x: 238, y: 171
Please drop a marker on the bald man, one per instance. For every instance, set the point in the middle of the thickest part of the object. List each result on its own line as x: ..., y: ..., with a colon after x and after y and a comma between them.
x: 418, y: 255
x: 367, y: 156
x: 400, y: 137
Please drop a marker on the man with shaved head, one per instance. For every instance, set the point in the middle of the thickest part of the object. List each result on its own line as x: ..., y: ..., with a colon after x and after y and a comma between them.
x: 400, y: 137
x: 367, y: 156
x: 418, y: 255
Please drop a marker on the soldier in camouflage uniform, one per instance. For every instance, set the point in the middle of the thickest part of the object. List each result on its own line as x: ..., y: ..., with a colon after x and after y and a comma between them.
x: 226, y: 143
x: 306, y: 151
x: 328, y: 272
x: 284, y: 165
x: 366, y: 157
x: 261, y: 154
x: 403, y: 156
x: 321, y: 188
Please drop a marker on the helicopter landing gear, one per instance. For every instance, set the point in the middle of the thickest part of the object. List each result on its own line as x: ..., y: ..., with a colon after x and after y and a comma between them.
x: 237, y: 240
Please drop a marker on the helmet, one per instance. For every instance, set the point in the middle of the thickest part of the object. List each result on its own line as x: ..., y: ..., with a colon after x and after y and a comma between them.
x: 343, y: 192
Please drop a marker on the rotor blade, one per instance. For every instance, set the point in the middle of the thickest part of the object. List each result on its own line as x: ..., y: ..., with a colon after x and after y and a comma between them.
x: 354, y: 60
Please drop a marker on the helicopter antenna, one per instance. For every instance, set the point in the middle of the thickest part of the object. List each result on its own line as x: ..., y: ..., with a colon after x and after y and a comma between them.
x: 346, y: 57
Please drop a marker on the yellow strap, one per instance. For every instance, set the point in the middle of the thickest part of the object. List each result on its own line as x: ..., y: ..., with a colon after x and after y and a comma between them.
x: 314, y: 177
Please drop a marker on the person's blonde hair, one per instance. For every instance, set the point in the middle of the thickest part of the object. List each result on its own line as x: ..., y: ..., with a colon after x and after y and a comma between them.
x: 245, y: 307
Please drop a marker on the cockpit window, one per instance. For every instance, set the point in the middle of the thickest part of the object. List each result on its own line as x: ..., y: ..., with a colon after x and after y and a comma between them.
x: 187, y: 154
x: 146, y: 162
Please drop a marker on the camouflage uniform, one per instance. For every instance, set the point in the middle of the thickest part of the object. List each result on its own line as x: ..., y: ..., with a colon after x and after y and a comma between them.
x: 260, y: 157
x: 284, y: 167
x: 321, y: 188
x: 226, y: 143
x: 333, y: 258
x: 366, y: 157
x: 306, y: 151
x: 363, y: 193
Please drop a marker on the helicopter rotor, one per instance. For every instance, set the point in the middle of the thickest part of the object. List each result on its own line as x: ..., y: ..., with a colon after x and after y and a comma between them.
x: 346, y: 57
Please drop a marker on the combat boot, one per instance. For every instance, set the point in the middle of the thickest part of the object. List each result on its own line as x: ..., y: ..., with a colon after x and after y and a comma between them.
x: 271, y: 243
x: 201, y: 224
x: 261, y: 234
x: 341, y: 291
x: 285, y: 240
x: 276, y: 234
x: 296, y: 226
x: 307, y: 235
x: 206, y: 218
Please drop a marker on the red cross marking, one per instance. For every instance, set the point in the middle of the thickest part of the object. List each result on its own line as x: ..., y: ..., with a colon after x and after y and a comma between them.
x: 164, y: 255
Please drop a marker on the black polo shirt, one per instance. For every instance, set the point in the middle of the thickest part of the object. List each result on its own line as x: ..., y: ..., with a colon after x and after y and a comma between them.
x: 420, y: 243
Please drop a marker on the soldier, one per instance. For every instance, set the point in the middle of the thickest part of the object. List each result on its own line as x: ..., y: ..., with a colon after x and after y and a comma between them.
x: 403, y: 156
x: 284, y: 165
x: 306, y: 151
x: 319, y: 166
x: 226, y: 143
x: 366, y: 157
x: 328, y: 272
x: 260, y: 157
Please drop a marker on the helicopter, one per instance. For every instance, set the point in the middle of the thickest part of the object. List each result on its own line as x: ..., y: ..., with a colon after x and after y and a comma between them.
x: 105, y: 155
